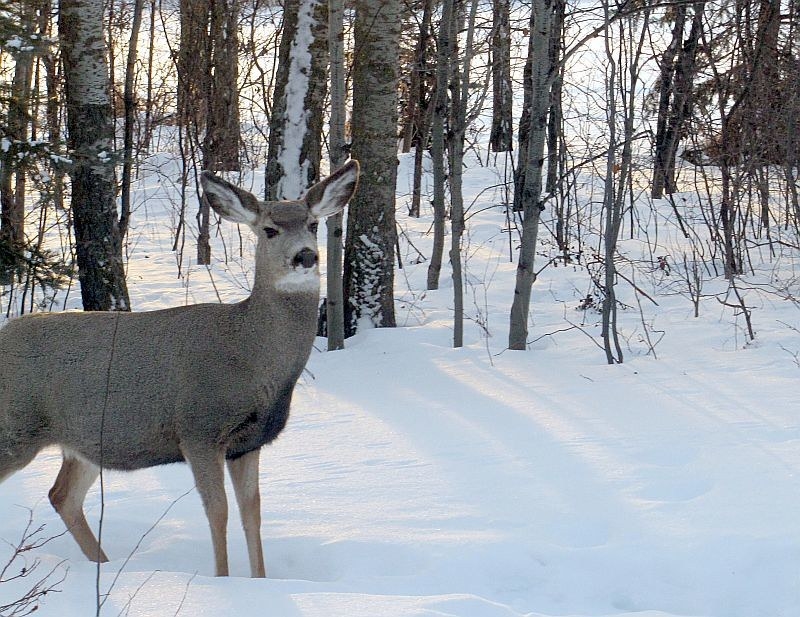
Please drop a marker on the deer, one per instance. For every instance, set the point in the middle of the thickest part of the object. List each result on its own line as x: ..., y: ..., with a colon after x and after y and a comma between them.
x: 206, y: 384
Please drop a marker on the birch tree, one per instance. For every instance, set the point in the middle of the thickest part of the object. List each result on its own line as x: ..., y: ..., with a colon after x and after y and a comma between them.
x: 98, y: 245
x: 371, y: 233
x: 538, y: 81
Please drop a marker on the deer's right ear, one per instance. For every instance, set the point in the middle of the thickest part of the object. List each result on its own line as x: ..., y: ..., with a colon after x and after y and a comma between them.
x: 229, y: 201
x: 332, y: 194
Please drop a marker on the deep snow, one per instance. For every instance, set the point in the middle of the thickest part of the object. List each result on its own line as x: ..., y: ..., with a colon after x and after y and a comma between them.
x: 418, y: 480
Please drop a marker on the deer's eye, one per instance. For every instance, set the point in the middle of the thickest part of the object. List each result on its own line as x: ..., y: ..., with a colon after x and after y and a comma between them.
x: 313, y: 227
x: 271, y: 232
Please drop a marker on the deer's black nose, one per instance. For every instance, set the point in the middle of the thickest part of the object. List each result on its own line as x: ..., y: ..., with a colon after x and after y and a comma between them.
x: 306, y: 258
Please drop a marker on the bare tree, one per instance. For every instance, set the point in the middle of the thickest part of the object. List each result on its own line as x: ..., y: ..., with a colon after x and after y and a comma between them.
x: 221, y: 140
x: 334, y: 301
x: 677, y: 72
x: 460, y: 86
x: 421, y: 91
x: 371, y: 233
x: 501, y: 139
x: 444, y: 53
x: 529, y: 186
x: 129, y: 102
x: 12, y: 173
x: 296, y: 123
x: 90, y: 132
x: 208, y: 92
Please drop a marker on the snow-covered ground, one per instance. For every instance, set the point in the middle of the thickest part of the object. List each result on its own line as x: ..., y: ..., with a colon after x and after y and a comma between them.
x: 415, y: 479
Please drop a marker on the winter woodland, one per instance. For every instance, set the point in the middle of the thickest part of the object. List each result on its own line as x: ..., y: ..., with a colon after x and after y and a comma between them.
x: 557, y: 354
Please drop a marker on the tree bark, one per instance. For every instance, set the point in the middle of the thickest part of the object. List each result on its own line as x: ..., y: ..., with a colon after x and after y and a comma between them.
x: 334, y: 305
x: 555, y: 116
x: 371, y: 233
x: 530, y: 197
x: 444, y: 52
x: 193, y: 62
x: 221, y: 140
x: 90, y: 133
x: 665, y: 93
x: 296, y: 123
x: 129, y: 101
x: 458, y: 128
x: 501, y: 139
x: 422, y: 117
x: 12, y: 175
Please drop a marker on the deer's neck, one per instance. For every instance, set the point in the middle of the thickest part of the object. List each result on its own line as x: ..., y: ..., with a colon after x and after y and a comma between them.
x: 282, y: 319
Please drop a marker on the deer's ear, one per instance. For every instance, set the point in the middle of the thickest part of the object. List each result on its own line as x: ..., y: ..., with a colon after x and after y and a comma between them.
x: 229, y: 201
x: 332, y: 194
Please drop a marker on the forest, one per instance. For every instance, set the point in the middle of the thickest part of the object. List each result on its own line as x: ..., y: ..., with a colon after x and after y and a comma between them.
x: 593, y: 183
x: 682, y: 106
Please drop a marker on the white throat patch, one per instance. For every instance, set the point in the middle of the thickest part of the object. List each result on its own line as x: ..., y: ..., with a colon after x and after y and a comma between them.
x: 301, y: 280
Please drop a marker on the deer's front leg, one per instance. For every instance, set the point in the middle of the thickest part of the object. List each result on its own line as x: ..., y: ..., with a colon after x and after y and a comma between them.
x: 208, y: 468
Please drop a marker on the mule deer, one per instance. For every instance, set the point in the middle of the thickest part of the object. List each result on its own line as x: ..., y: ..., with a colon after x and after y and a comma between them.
x: 202, y: 384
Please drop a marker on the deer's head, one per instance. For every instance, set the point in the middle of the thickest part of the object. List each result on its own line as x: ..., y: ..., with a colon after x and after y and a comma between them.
x: 286, y: 254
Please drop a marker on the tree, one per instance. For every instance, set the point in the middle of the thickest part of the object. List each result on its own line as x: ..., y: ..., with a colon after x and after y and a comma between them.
x: 444, y: 53
x: 208, y: 92
x: 677, y: 72
x: 129, y: 102
x: 421, y: 92
x: 296, y: 123
x: 17, y: 129
x: 501, y: 139
x: 334, y: 300
x: 221, y: 139
x: 528, y: 184
x: 371, y: 233
x: 458, y: 122
x: 90, y: 132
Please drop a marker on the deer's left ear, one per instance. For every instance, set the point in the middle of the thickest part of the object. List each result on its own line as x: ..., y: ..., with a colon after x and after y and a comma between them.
x: 228, y: 200
x: 332, y: 194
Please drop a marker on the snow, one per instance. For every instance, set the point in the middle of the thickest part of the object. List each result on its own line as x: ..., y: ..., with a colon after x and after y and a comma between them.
x: 418, y: 480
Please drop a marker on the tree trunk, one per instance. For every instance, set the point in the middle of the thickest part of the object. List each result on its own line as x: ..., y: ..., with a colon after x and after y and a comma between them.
x: 524, y: 129
x: 423, y: 114
x: 89, y: 138
x: 554, y: 119
x: 12, y: 175
x: 193, y: 63
x: 334, y: 304
x: 444, y: 45
x: 129, y: 101
x: 530, y: 197
x: 681, y: 108
x: 371, y: 233
x: 458, y: 128
x: 417, y: 90
x: 501, y: 139
x: 296, y: 123
x: 221, y: 141
x: 665, y: 94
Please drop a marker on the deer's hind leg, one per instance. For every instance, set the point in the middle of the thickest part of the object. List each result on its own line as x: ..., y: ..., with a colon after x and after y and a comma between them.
x: 72, y: 483
x: 13, y: 458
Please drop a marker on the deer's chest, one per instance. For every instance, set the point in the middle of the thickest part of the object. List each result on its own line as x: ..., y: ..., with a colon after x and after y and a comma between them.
x: 260, y: 421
